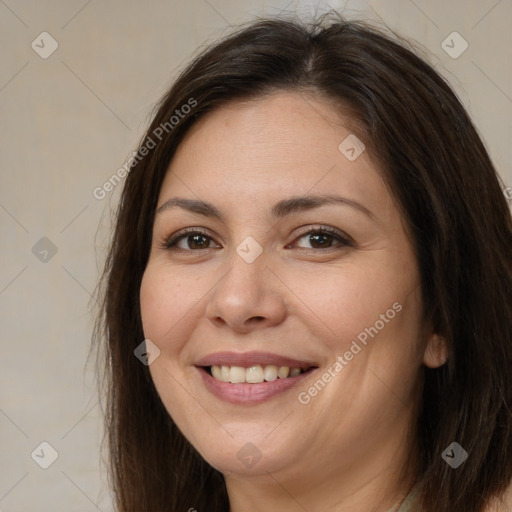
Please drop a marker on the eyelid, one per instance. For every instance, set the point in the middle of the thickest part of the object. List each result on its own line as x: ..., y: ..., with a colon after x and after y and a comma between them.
x: 336, y: 233
x: 170, y: 242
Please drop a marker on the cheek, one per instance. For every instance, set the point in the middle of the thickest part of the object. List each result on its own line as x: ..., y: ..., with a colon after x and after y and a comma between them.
x: 153, y: 304
x: 363, y: 299
x: 170, y: 308
x: 167, y: 301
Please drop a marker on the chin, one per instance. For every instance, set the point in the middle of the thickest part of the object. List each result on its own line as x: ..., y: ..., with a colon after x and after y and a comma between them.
x: 246, y: 453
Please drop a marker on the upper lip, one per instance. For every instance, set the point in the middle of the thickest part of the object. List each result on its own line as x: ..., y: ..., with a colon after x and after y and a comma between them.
x: 247, y: 359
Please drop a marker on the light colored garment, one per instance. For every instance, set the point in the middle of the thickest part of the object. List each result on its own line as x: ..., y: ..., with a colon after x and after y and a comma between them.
x: 410, y: 503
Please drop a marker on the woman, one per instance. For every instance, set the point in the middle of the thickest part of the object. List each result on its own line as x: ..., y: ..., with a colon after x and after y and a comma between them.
x: 316, y: 249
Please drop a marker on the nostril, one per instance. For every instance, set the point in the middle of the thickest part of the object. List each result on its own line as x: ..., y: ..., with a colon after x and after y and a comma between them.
x: 256, y: 319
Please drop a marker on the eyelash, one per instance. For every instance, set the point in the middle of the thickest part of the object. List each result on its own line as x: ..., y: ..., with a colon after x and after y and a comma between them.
x: 171, y: 242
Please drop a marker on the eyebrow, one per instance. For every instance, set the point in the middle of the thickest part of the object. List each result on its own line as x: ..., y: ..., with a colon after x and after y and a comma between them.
x: 279, y: 210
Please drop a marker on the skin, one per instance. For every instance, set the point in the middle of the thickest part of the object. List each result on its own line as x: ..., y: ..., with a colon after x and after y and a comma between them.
x: 347, y: 448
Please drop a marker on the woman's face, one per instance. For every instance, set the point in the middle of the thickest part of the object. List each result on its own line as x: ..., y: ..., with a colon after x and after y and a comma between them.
x: 274, y: 248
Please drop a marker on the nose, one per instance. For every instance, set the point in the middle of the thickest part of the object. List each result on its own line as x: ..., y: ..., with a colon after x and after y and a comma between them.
x: 247, y: 298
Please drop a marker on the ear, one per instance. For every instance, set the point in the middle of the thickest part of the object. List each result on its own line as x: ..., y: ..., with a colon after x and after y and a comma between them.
x: 436, y: 351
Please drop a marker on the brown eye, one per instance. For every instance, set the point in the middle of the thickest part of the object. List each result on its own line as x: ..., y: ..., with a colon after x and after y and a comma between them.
x: 191, y: 241
x: 197, y: 241
x: 322, y: 239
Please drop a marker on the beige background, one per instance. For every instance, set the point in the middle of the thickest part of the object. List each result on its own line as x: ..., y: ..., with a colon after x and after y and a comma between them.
x: 68, y: 123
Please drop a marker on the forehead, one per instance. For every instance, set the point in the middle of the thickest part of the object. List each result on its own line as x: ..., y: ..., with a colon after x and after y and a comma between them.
x: 287, y: 143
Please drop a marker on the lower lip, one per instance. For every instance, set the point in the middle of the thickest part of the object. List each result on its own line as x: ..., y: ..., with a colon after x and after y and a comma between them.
x: 249, y: 394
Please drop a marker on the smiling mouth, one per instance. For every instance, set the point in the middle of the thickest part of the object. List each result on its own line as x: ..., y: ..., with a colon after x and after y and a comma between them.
x: 255, y: 374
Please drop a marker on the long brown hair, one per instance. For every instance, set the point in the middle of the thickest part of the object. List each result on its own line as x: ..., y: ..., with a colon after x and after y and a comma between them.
x: 452, y: 200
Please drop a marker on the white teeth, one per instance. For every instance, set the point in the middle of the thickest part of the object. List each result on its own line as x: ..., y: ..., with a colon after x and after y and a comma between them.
x: 224, y: 373
x: 253, y: 374
x: 216, y: 372
x: 236, y: 374
x: 294, y: 372
x: 270, y: 373
x: 283, y: 372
